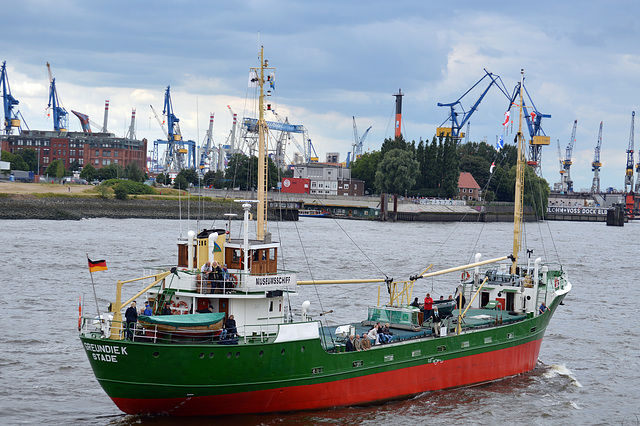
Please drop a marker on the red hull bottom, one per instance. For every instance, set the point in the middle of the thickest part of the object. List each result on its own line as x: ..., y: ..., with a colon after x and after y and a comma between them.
x: 359, y: 390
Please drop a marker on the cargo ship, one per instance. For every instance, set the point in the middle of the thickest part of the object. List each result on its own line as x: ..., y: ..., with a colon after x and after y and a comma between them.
x: 265, y: 359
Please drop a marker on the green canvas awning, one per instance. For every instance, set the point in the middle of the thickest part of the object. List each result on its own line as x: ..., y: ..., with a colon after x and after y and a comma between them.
x: 189, y: 320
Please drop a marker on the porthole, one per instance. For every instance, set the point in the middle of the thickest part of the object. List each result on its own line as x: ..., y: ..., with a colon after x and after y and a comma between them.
x: 282, y: 352
x: 211, y: 355
x: 237, y: 354
x: 201, y: 356
x: 261, y: 353
x: 229, y: 355
x: 156, y: 354
x: 302, y: 349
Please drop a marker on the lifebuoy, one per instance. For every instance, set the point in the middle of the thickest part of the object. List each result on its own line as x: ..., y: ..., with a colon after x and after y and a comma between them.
x: 179, y: 308
x: 556, y: 283
x: 465, y: 275
x: 234, y: 280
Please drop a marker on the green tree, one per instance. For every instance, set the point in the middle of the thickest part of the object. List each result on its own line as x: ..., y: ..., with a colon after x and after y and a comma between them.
x: 112, y: 171
x: 56, y: 169
x: 180, y: 182
x: 89, y: 173
x: 17, y: 162
x: 120, y: 192
x: 30, y: 157
x: 397, y: 172
x: 190, y: 176
x: 214, y: 178
x: 74, y: 166
x: 242, y: 172
x: 451, y: 169
x: 133, y: 172
x: 364, y: 168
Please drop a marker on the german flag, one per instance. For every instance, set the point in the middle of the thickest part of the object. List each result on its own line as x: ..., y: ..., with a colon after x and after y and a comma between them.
x: 98, y: 265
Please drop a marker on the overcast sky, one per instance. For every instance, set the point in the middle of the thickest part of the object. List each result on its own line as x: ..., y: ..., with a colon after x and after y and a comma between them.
x: 335, y: 60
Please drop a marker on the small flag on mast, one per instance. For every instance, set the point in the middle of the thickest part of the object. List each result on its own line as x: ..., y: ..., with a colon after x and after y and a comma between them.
x: 493, y: 166
x: 99, y: 265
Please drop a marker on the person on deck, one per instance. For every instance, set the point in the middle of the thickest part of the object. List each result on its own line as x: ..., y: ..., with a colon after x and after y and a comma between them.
x: 229, y: 328
x: 166, y: 310
x: 216, y: 277
x: 147, y: 309
x: 349, y: 347
x: 373, y: 335
x: 386, y: 335
x: 542, y: 308
x: 131, y: 317
x: 415, y: 303
x: 205, y: 272
x: 365, y: 342
x: 428, y: 307
x: 357, y: 343
x: 435, y: 320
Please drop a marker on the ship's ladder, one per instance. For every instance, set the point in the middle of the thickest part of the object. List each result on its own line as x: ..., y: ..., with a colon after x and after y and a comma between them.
x: 163, y: 297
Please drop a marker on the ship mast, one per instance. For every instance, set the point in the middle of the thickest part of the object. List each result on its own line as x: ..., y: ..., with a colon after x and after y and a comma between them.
x: 517, y: 211
x: 262, y: 151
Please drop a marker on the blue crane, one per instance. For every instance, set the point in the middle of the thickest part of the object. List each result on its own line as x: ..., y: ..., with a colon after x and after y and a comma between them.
x: 456, y: 125
x: 595, y: 166
x: 11, y: 119
x: 533, y: 118
x: 60, y: 115
x: 357, y: 142
x: 628, y: 177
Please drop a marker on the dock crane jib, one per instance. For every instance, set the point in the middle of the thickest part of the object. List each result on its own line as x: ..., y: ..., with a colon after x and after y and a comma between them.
x: 60, y: 115
x: 595, y: 166
x: 11, y: 119
x: 454, y: 129
x: 567, y: 183
x: 628, y: 178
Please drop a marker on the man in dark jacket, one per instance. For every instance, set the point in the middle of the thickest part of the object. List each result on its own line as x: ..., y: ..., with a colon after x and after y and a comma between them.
x: 230, y: 329
x: 131, y: 318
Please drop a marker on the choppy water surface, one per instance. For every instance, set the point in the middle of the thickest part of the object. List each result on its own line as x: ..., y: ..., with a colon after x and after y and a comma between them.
x: 588, y: 371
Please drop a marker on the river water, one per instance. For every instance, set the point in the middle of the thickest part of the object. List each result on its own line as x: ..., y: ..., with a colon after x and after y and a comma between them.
x: 588, y: 368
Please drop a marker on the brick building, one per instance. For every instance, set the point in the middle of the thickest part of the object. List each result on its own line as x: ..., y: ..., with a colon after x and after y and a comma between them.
x: 97, y: 149
x: 468, y: 188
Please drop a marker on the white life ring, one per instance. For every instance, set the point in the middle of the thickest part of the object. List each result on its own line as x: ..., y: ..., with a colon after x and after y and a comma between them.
x: 179, y: 308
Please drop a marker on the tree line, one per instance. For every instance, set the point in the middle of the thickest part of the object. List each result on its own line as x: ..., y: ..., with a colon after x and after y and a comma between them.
x: 433, y: 169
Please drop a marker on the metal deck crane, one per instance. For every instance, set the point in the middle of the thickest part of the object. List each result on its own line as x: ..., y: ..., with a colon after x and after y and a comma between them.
x: 11, y: 119
x: 456, y: 125
x: 60, y: 115
x: 207, y: 144
x: 567, y: 183
x: 131, y: 133
x: 628, y: 177
x: 595, y: 166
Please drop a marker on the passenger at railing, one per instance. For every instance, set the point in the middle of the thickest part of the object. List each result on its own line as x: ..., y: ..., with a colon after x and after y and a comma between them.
x: 216, y: 277
x: 415, y: 303
x: 357, y: 343
x: 228, y: 284
x: 386, y: 335
x: 435, y: 321
x: 365, y: 342
x: 205, y: 271
x: 542, y: 308
x: 457, y: 297
x: 131, y: 317
x: 349, y: 346
x: 166, y: 310
x: 230, y: 329
x: 428, y: 307
x: 147, y: 309
x: 373, y: 335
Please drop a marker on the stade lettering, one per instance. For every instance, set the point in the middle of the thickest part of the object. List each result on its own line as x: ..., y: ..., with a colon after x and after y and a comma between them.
x: 106, y: 353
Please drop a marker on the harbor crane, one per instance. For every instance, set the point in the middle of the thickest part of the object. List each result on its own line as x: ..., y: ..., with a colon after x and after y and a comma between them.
x: 533, y: 118
x: 84, y: 121
x: 11, y: 117
x: 131, y: 133
x: 567, y: 183
x: 356, y: 151
x: 60, y: 115
x: 595, y: 166
x: 207, y: 147
x: 454, y: 129
x: 628, y: 177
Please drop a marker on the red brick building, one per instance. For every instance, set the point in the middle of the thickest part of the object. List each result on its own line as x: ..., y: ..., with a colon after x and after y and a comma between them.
x: 97, y: 149
x: 468, y: 188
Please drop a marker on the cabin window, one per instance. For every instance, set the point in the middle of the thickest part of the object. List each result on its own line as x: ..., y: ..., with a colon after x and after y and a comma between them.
x: 271, y: 306
x: 237, y: 255
x: 272, y: 254
x: 255, y: 255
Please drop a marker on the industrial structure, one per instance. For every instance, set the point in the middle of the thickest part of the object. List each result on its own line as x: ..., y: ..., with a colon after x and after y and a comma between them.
x: 566, y: 184
x: 82, y: 148
x: 356, y: 151
x: 628, y: 177
x: 595, y: 165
